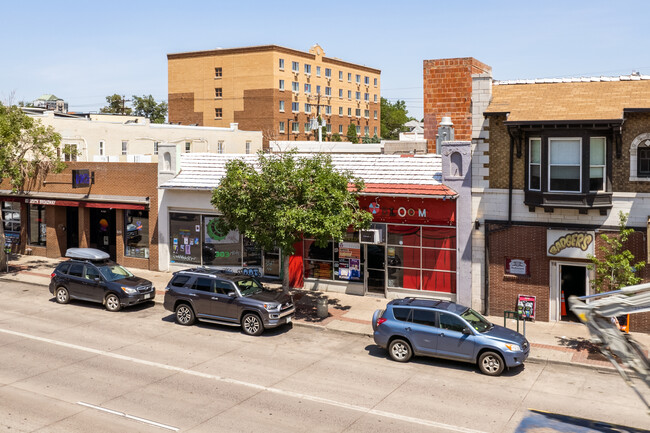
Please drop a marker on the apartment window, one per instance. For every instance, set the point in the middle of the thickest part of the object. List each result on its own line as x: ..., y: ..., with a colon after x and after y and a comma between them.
x: 70, y: 152
x: 357, y: 112
x: 318, y: 90
x: 358, y: 129
x: 340, y: 129
x: 248, y: 147
x: 375, y: 129
x: 125, y: 147
x: 281, y: 64
x: 295, y: 87
x: 534, y: 164
x: 307, y: 88
x: 282, y: 106
x: 218, y: 113
x: 349, y: 111
x: 375, y: 98
x: 564, y: 164
x: 375, y: 114
x: 375, y: 82
x: 220, y: 146
x: 101, y: 148
x: 366, y: 97
x: 218, y: 72
x: 318, y: 71
x: 340, y: 111
x: 281, y: 85
x: 328, y: 73
x: 307, y: 127
x: 188, y: 147
x: 340, y: 75
x: 295, y: 107
x: 357, y: 95
x: 366, y: 130
x: 329, y: 128
x: 155, y: 147
x: 328, y: 91
x: 328, y: 110
x: 643, y: 161
x: 281, y: 129
x: 358, y: 78
x: 366, y: 81
x: 295, y: 127
x: 597, y: 147
x: 349, y: 77
x: 349, y: 94
x: 341, y: 93
x: 218, y: 93
x: 295, y: 66
x: 307, y: 69
x: 307, y: 108
x: 366, y: 113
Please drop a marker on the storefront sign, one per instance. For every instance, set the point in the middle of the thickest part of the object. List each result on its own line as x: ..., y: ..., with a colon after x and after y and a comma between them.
x: 575, y: 244
x: 407, y: 210
x: 40, y: 201
x: 518, y: 267
x: 80, y: 178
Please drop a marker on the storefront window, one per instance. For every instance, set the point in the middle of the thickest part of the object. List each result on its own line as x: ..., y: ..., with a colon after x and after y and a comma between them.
x: 319, y: 261
x: 219, y: 248
x: 184, y: 235
x: 11, y: 221
x: 404, y: 235
x: 37, y: 225
x: 136, y: 228
x: 348, y: 260
x: 272, y: 262
x: 252, y: 254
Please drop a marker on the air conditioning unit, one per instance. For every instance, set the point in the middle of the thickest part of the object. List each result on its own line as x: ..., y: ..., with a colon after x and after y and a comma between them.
x: 370, y: 236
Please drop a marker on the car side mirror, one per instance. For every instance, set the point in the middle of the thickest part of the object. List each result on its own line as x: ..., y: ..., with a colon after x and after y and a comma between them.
x: 232, y: 294
x: 467, y: 331
x: 97, y: 279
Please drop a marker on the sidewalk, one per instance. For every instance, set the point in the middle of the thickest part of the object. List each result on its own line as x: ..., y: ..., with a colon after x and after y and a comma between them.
x: 554, y: 342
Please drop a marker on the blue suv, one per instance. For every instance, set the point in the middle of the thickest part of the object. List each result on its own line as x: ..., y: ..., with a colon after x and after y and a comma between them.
x: 444, y: 329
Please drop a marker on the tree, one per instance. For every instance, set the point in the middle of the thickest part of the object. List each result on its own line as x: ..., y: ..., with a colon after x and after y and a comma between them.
x: 285, y: 196
x: 393, y: 118
x: 28, y: 152
x: 617, y: 268
x: 115, y: 105
x: 148, y: 107
x: 352, y: 133
x: 336, y: 137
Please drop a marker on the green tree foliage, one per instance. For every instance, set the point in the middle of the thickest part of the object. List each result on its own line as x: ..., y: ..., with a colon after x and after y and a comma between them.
x: 147, y: 106
x: 617, y: 268
x: 393, y: 118
x: 352, y: 133
x: 116, y: 105
x: 336, y: 137
x: 285, y: 196
x: 28, y: 152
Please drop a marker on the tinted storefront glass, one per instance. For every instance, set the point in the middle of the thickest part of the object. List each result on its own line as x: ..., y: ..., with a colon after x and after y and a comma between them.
x: 136, y: 227
x: 185, y: 238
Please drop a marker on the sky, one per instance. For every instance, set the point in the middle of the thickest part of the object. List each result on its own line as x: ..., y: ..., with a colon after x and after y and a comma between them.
x: 85, y: 51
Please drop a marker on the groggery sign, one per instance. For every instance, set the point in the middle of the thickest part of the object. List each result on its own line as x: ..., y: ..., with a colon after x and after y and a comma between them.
x: 576, y: 244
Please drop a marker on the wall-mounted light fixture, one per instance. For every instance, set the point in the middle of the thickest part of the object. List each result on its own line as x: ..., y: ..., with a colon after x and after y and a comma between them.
x: 477, y: 224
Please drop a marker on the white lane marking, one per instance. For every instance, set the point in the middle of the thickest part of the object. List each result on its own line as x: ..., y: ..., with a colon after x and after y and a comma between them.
x: 255, y: 386
x: 126, y: 415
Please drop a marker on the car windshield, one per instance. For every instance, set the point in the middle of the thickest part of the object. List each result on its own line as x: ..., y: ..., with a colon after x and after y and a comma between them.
x: 114, y: 272
x: 249, y: 286
x: 478, y: 322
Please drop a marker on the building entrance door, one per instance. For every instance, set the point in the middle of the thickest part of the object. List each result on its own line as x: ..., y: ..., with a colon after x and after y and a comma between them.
x: 102, y: 230
x: 375, y: 275
x: 568, y: 278
x: 72, y: 226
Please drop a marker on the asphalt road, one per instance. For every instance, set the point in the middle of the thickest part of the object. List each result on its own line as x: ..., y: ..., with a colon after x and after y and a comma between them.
x: 79, y: 368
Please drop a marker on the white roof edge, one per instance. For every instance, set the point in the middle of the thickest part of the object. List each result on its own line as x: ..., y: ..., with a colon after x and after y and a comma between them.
x: 572, y: 80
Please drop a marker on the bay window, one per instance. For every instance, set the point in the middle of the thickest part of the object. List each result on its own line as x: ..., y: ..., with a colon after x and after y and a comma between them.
x: 564, y: 164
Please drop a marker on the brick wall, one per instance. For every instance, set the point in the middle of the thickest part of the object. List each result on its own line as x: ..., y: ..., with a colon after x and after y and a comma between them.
x: 448, y: 92
x: 181, y: 109
x: 635, y: 124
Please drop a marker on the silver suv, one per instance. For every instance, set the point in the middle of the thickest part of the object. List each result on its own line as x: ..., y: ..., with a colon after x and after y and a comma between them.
x: 228, y: 299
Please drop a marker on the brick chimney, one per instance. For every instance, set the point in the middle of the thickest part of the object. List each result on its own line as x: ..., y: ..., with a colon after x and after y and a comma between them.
x: 448, y: 92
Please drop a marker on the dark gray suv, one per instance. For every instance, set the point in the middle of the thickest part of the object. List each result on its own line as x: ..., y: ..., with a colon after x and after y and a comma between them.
x: 228, y: 299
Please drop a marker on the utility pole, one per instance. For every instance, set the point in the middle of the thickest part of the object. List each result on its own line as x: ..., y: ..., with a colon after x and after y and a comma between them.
x: 123, y: 101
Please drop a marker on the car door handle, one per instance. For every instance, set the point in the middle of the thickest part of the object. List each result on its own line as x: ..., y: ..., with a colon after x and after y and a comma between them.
x: 215, y: 298
x: 408, y: 328
x: 442, y: 334
x: 192, y: 294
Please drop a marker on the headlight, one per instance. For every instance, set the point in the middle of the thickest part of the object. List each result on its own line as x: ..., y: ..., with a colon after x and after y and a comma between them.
x: 513, y: 347
x: 272, y: 307
x: 129, y: 290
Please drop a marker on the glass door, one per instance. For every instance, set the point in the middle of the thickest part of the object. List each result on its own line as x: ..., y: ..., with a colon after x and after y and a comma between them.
x: 375, y: 280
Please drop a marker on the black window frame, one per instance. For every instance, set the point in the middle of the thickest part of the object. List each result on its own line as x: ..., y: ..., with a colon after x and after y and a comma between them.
x: 646, y: 159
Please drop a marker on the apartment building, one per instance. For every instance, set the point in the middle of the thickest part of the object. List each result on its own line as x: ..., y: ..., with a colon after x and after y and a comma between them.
x: 275, y: 90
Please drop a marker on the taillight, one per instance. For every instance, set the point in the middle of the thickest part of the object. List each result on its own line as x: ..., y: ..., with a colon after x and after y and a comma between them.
x: 52, y: 275
x: 380, y: 321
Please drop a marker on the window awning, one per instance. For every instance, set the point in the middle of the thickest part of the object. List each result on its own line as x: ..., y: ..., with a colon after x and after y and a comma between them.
x: 77, y: 200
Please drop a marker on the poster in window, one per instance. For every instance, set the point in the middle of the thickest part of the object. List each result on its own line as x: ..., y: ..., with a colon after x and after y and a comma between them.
x: 526, y: 307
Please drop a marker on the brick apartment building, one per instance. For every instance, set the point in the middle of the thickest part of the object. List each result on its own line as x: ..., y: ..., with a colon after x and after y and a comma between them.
x: 273, y: 89
x: 118, y: 213
x: 553, y: 164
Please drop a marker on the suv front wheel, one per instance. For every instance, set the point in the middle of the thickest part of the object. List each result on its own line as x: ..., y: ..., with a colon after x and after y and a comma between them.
x: 491, y: 363
x: 184, y: 315
x: 252, y: 324
x: 400, y: 350
x: 113, y: 302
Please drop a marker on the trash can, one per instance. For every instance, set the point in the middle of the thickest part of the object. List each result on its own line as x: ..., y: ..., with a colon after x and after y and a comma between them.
x: 321, y: 308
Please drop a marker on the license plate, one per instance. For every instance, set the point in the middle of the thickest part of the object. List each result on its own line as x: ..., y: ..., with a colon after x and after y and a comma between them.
x: 289, y: 319
x: 147, y: 296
